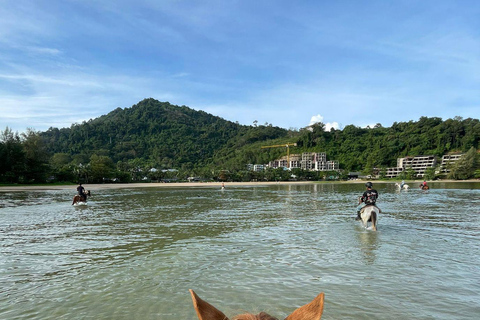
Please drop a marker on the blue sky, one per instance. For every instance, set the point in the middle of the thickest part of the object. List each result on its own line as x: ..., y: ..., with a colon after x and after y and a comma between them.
x: 282, y: 62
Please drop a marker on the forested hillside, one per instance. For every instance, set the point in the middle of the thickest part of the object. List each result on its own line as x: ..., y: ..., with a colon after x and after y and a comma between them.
x: 165, y: 135
x: 362, y: 148
x: 134, y: 143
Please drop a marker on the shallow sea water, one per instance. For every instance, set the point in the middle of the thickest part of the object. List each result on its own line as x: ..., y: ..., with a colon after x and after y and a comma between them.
x: 134, y: 253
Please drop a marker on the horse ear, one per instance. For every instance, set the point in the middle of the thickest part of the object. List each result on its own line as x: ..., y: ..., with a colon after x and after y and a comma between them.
x: 311, y: 311
x: 205, y: 311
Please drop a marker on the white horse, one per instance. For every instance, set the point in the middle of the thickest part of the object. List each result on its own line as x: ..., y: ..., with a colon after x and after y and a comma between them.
x: 370, y: 214
x: 405, y: 186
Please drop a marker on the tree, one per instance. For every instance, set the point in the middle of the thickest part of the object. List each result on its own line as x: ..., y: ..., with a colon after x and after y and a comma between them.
x: 61, y: 167
x: 36, y: 157
x: 430, y: 173
x: 12, y: 157
x: 101, y: 168
x: 411, y: 174
x: 465, y: 167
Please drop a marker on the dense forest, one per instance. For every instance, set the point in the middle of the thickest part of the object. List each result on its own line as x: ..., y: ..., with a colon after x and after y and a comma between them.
x: 155, y: 140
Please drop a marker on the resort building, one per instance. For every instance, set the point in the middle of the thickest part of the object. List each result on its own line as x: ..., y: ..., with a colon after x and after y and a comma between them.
x: 447, y: 162
x: 258, y: 167
x: 310, y: 161
x: 419, y: 164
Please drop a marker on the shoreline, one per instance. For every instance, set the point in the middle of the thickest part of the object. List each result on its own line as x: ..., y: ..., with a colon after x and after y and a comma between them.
x: 203, y: 184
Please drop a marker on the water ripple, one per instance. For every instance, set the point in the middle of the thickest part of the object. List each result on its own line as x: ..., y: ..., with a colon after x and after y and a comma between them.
x: 134, y: 253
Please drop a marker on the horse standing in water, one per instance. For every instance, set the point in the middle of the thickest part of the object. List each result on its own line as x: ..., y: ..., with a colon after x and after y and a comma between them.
x: 81, y: 198
x: 310, y: 311
x: 370, y: 214
x: 405, y: 186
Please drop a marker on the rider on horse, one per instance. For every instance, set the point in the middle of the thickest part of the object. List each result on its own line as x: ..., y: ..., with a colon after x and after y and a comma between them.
x: 81, y: 192
x: 369, y: 197
x: 424, y: 185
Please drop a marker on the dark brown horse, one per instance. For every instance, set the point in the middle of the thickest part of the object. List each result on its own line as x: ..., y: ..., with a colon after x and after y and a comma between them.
x: 81, y: 198
x: 310, y: 311
x: 424, y: 187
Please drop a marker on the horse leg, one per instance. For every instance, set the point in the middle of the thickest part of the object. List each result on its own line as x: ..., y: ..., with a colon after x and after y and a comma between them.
x: 365, y: 219
x: 374, y: 220
x: 74, y: 198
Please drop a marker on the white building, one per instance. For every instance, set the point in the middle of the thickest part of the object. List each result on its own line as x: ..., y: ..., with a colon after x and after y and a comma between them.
x: 310, y: 161
x: 447, y: 162
x: 419, y: 164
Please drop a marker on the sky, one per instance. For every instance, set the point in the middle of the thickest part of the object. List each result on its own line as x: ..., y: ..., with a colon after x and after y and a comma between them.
x: 285, y: 63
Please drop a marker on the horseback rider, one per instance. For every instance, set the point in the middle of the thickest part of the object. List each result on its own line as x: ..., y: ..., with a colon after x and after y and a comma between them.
x: 81, y: 191
x: 369, y: 197
x: 424, y: 185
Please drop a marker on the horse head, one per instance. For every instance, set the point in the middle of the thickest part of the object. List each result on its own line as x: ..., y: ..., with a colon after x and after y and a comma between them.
x: 310, y: 311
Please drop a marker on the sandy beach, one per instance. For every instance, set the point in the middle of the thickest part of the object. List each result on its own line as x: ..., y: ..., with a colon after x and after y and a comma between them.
x: 149, y: 185
x: 200, y: 184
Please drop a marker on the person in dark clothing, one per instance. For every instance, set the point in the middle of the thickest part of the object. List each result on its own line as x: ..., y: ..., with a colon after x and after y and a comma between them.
x: 81, y: 191
x: 369, y: 197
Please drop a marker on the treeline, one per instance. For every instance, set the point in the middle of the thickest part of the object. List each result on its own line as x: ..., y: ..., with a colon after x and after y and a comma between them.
x: 127, y: 143
x: 360, y: 149
x: 158, y: 141
x: 23, y: 158
x: 366, y: 149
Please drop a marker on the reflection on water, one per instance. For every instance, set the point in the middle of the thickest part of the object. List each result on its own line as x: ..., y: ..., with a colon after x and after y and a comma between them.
x: 368, y: 245
x: 133, y: 254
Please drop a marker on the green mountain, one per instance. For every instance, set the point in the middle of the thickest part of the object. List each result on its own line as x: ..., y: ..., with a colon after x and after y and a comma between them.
x: 165, y: 135
x: 127, y: 143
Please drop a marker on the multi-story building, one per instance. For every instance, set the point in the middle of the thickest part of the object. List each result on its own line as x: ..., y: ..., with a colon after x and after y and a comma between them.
x: 311, y: 161
x: 419, y: 164
x: 258, y: 167
x: 333, y: 165
x: 314, y: 161
x: 447, y: 162
x: 255, y: 167
x: 393, y: 172
x: 295, y: 161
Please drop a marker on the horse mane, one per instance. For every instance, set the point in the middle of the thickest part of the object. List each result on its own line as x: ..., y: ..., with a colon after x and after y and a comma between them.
x: 249, y: 316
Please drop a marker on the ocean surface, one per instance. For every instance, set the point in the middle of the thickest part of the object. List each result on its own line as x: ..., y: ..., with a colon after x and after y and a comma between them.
x: 134, y: 253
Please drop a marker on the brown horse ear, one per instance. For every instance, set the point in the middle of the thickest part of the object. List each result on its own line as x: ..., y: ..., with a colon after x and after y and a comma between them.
x: 205, y: 311
x: 311, y: 311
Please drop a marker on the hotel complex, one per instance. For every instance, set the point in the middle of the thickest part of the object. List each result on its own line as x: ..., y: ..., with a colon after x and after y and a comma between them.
x: 420, y: 164
x: 310, y: 161
x: 317, y: 161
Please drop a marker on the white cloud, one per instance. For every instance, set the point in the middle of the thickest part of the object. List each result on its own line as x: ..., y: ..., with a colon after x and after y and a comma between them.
x: 333, y: 125
x: 315, y: 119
x: 329, y: 125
